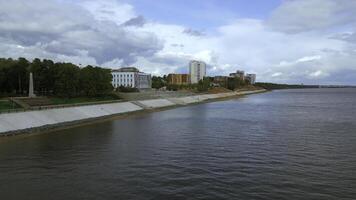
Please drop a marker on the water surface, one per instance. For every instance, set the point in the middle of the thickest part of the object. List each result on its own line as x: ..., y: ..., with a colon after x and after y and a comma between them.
x: 288, y: 144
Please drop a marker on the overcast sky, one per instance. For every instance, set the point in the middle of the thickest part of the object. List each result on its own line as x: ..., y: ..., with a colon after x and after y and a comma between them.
x: 284, y: 41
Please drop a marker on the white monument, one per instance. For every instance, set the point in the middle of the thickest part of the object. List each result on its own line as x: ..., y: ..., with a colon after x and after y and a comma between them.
x: 31, y: 93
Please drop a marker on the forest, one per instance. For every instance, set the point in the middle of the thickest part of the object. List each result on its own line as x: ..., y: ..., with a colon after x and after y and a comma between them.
x: 53, y: 78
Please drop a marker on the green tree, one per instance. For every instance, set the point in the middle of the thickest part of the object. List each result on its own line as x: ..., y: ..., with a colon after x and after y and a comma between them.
x: 234, y: 83
x: 159, y: 82
x: 22, y: 66
x: 42, y: 75
x: 104, y: 79
x: 204, y: 85
x: 59, y: 79
x: 14, y: 75
x: 95, y: 81
x: 67, y: 80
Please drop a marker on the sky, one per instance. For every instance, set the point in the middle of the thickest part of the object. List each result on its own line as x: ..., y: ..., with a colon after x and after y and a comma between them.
x: 282, y: 41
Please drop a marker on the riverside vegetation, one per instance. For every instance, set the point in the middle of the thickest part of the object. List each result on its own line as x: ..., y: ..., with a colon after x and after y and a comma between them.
x: 274, y: 86
x: 55, y: 83
x: 53, y: 79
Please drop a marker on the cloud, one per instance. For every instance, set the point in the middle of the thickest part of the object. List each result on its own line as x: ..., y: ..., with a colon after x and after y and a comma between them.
x: 345, y: 36
x: 192, y: 32
x: 63, y: 29
x: 300, y: 60
x: 177, y: 45
x: 309, y: 58
x: 310, y: 41
x: 250, y: 45
x: 277, y: 74
x: 108, y: 10
x: 317, y: 74
x: 136, y: 21
x: 295, y: 16
x: 280, y: 57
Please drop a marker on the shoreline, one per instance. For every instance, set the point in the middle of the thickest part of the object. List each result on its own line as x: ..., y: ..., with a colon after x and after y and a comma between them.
x: 91, y: 114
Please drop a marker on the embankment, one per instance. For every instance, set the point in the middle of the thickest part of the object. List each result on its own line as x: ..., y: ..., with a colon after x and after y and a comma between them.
x: 27, y: 122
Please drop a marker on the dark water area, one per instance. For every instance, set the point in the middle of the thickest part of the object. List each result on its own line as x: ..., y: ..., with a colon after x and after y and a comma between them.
x: 288, y: 144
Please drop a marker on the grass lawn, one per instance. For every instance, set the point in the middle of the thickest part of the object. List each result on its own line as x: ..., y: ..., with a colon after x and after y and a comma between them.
x: 76, y: 100
x: 7, y: 105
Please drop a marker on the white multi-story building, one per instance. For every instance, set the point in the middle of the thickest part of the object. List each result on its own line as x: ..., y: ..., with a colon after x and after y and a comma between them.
x: 197, y: 71
x: 130, y: 77
x: 251, y: 78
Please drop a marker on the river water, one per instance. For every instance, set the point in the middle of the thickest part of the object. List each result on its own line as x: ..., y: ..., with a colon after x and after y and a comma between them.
x: 288, y: 144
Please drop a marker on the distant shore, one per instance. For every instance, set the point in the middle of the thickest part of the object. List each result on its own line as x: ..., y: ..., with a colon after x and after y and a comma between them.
x: 276, y: 86
x: 35, y: 122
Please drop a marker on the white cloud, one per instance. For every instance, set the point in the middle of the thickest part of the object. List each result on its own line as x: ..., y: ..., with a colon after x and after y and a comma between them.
x: 109, y: 10
x: 111, y: 33
x: 63, y: 30
x: 300, y: 60
x: 248, y: 44
x: 309, y: 58
x: 294, y: 16
x: 317, y: 74
x: 277, y: 74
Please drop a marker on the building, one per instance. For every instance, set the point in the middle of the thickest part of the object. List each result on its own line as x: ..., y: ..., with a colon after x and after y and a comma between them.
x: 251, y: 78
x: 130, y: 77
x: 197, y: 71
x: 238, y: 74
x: 178, y: 79
x: 221, y: 81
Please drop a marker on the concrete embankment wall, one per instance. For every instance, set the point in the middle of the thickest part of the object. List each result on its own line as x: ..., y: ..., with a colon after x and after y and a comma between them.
x: 154, y: 103
x: 12, y: 123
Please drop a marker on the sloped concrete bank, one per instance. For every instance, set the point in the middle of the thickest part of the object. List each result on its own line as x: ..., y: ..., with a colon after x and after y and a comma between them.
x: 27, y: 122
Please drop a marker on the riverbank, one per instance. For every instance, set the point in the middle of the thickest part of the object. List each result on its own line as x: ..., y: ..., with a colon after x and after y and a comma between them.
x: 36, y: 121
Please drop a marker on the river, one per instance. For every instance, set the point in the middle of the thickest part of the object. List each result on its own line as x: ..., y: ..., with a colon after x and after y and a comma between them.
x: 287, y: 144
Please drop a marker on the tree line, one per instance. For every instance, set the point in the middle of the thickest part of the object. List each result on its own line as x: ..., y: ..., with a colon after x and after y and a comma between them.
x: 53, y: 79
x: 160, y: 82
x: 275, y: 86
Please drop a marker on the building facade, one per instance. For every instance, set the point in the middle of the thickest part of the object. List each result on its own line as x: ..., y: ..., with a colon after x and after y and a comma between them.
x: 251, y: 78
x: 197, y: 71
x: 221, y: 81
x: 130, y: 77
x: 178, y: 79
x: 239, y: 74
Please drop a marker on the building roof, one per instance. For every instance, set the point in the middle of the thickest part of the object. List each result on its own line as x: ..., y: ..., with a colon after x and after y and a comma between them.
x: 197, y: 61
x: 126, y: 69
x: 174, y: 74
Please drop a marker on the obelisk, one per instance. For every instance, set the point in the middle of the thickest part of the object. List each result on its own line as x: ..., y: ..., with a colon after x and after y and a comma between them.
x: 31, y: 93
